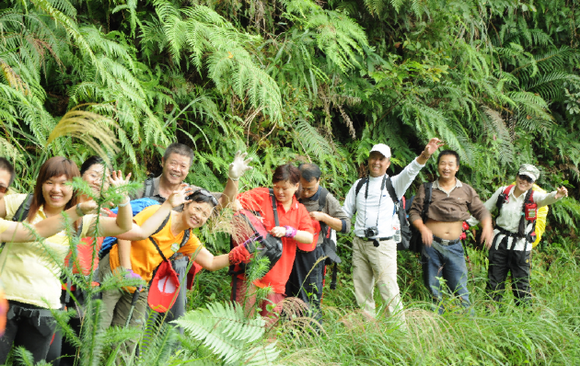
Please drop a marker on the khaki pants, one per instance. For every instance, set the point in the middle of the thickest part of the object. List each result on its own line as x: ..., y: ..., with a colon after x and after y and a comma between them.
x: 116, y: 309
x: 376, y: 265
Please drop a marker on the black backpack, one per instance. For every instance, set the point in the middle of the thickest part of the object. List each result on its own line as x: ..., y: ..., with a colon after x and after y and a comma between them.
x: 328, y: 245
x: 405, y: 228
x: 416, y: 242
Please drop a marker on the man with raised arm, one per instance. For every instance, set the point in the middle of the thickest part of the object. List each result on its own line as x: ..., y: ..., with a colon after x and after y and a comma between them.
x: 374, y: 255
x: 451, y: 203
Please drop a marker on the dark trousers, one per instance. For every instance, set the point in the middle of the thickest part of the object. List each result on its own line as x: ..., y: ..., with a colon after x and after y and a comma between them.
x: 29, y: 326
x: 502, y: 261
x: 306, y: 279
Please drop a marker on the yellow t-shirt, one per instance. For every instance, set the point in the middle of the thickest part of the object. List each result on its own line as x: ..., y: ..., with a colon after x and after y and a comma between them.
x: 144, y: 256
x: 31, y: 271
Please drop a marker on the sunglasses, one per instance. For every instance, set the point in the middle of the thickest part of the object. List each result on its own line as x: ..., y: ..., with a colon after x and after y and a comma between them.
x: 3, y: 189
x: 204, y: 193
x: 526, y: 178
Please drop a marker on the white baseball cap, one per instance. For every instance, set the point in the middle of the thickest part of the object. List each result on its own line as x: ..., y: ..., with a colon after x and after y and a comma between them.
x: 383, y: 149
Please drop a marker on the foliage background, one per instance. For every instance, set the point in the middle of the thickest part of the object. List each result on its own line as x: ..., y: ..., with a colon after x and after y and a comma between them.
x: 296, y: 80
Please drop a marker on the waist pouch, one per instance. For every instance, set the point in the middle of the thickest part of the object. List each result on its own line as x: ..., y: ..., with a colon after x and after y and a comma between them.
x: 39, y: 318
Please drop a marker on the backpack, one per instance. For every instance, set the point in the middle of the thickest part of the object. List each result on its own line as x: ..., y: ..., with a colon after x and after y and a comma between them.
x: 529, y: 213
x: 416, y: 241
x: 164, y: 285
x: 250, y: 231
x: 328, y: 245
x: 137, y: 206
x: 403, y: 234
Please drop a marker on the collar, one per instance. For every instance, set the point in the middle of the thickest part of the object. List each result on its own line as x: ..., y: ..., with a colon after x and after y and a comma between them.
x: 314, y: 197
x: 458, y: 184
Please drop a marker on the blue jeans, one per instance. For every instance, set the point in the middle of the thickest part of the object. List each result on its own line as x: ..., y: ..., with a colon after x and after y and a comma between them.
x: 447, y: 262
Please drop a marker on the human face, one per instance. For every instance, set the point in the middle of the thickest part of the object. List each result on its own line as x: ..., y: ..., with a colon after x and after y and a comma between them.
x: 447, y: 167
x: 94, y: 176
x: 195, y: 214
x: 176, y: 168
x: 523, y: 183
x: 56, y: 193
x: 4, y: 182
x: 378, y: 164
x: 284, y: 191
x: 309, y: 189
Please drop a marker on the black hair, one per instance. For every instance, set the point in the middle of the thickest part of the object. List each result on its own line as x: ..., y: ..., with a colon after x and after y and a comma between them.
x: 448, y: 152
x: 6, y: 165
x: 178, y: 148
x: 310, y: 172
x: 90, y: 162
x: 202, y: 196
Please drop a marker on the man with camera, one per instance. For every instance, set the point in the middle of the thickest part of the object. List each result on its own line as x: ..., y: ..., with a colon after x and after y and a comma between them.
x: 374, y: 255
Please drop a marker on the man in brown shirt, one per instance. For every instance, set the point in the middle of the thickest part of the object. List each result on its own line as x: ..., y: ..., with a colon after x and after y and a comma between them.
x: 451, y: 203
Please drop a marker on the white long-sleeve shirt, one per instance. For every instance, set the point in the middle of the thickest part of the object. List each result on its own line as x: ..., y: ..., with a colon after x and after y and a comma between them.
x: 368, y: 208
x: 511, y: 211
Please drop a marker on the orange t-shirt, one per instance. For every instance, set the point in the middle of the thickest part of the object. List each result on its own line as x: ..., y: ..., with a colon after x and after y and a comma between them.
x: 297, y: 216
x: 144, y: 256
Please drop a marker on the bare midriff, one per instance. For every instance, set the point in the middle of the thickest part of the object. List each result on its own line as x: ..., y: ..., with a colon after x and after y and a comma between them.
x: 445, y: 230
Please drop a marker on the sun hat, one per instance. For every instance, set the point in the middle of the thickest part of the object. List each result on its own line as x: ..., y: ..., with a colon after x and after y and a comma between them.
x: 530, y: 171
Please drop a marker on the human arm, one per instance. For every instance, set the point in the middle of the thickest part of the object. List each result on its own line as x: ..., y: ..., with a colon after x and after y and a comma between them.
x: 426, y: 233
x: 236, y: 169
x: 124, y: 247
x: 16, y: 232
x: 300, y: 236
x: 349, y: 206
x: 333, y: 215
x: 429, y: 150
x: 416, y: 216
x: 545, y: 199
x: 481, y: 213
x: 147, y: 228
x: 114, y: 226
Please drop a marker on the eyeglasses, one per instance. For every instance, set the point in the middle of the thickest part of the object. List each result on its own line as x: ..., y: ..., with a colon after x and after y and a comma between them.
x: 3, y: 189
x: 205, y: 193
x: 526, y: 178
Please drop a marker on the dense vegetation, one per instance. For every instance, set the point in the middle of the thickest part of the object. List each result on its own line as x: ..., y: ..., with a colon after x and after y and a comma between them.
x: 299, y: 80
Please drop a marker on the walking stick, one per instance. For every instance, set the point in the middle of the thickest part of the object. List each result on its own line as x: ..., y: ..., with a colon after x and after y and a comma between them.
x: 133, y: 304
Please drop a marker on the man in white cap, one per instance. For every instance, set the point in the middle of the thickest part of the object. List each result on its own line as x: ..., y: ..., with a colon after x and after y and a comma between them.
x: 374, y: 249
x: 510, y: 251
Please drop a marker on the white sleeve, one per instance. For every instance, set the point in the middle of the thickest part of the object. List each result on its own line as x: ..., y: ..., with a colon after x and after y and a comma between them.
x: 349, y: 207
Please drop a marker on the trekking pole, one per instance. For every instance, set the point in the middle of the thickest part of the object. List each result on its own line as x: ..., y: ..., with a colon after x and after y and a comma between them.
x: 133, y: 304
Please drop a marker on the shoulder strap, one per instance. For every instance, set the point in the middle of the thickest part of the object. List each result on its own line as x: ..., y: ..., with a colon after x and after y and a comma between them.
x: 391, y: 190
x: 148, y: 188
x: 506, y: 191
x: 530, y: 196
x: 322, y: 198
x: 427, y: 201
x: 162, y: 225
x: 22, y: 211
x: 359, y: 185
x: 273, y: 199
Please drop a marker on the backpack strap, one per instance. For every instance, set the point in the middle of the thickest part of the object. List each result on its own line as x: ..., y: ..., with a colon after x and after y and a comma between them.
x: 273, y: 199
x: 391, y: 191
x: 360, y: 184
x: 322, y: 198
x: 148, y: 187
x: 427, y: 201
x: 503, y: 197
x: 22, y: 211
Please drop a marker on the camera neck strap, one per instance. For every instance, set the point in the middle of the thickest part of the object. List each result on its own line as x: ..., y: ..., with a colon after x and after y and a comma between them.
x: 380, y: 197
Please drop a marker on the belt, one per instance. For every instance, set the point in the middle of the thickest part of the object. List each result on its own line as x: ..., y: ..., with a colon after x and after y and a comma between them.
x: 376, y: 241
x: 445, y: 241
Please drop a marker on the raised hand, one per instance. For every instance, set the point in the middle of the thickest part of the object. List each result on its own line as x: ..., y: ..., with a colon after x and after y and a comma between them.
x: 116, y: 178
x: 561, y: 192
x: 432, y: 146
x: 179, y: 196
x: 239, y: 166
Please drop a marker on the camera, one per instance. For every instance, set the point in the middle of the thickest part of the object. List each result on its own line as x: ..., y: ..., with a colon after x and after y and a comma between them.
x: 371, y: 231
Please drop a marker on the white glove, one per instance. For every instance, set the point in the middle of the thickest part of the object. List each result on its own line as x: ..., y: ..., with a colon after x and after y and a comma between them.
x: 239, y: 166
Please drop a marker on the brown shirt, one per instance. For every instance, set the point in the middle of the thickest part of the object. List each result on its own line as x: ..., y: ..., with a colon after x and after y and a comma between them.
x: 331, y: 207
x: 455, y: 205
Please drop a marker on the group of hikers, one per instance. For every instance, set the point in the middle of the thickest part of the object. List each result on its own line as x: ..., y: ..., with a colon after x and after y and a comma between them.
x: 153, y: 234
